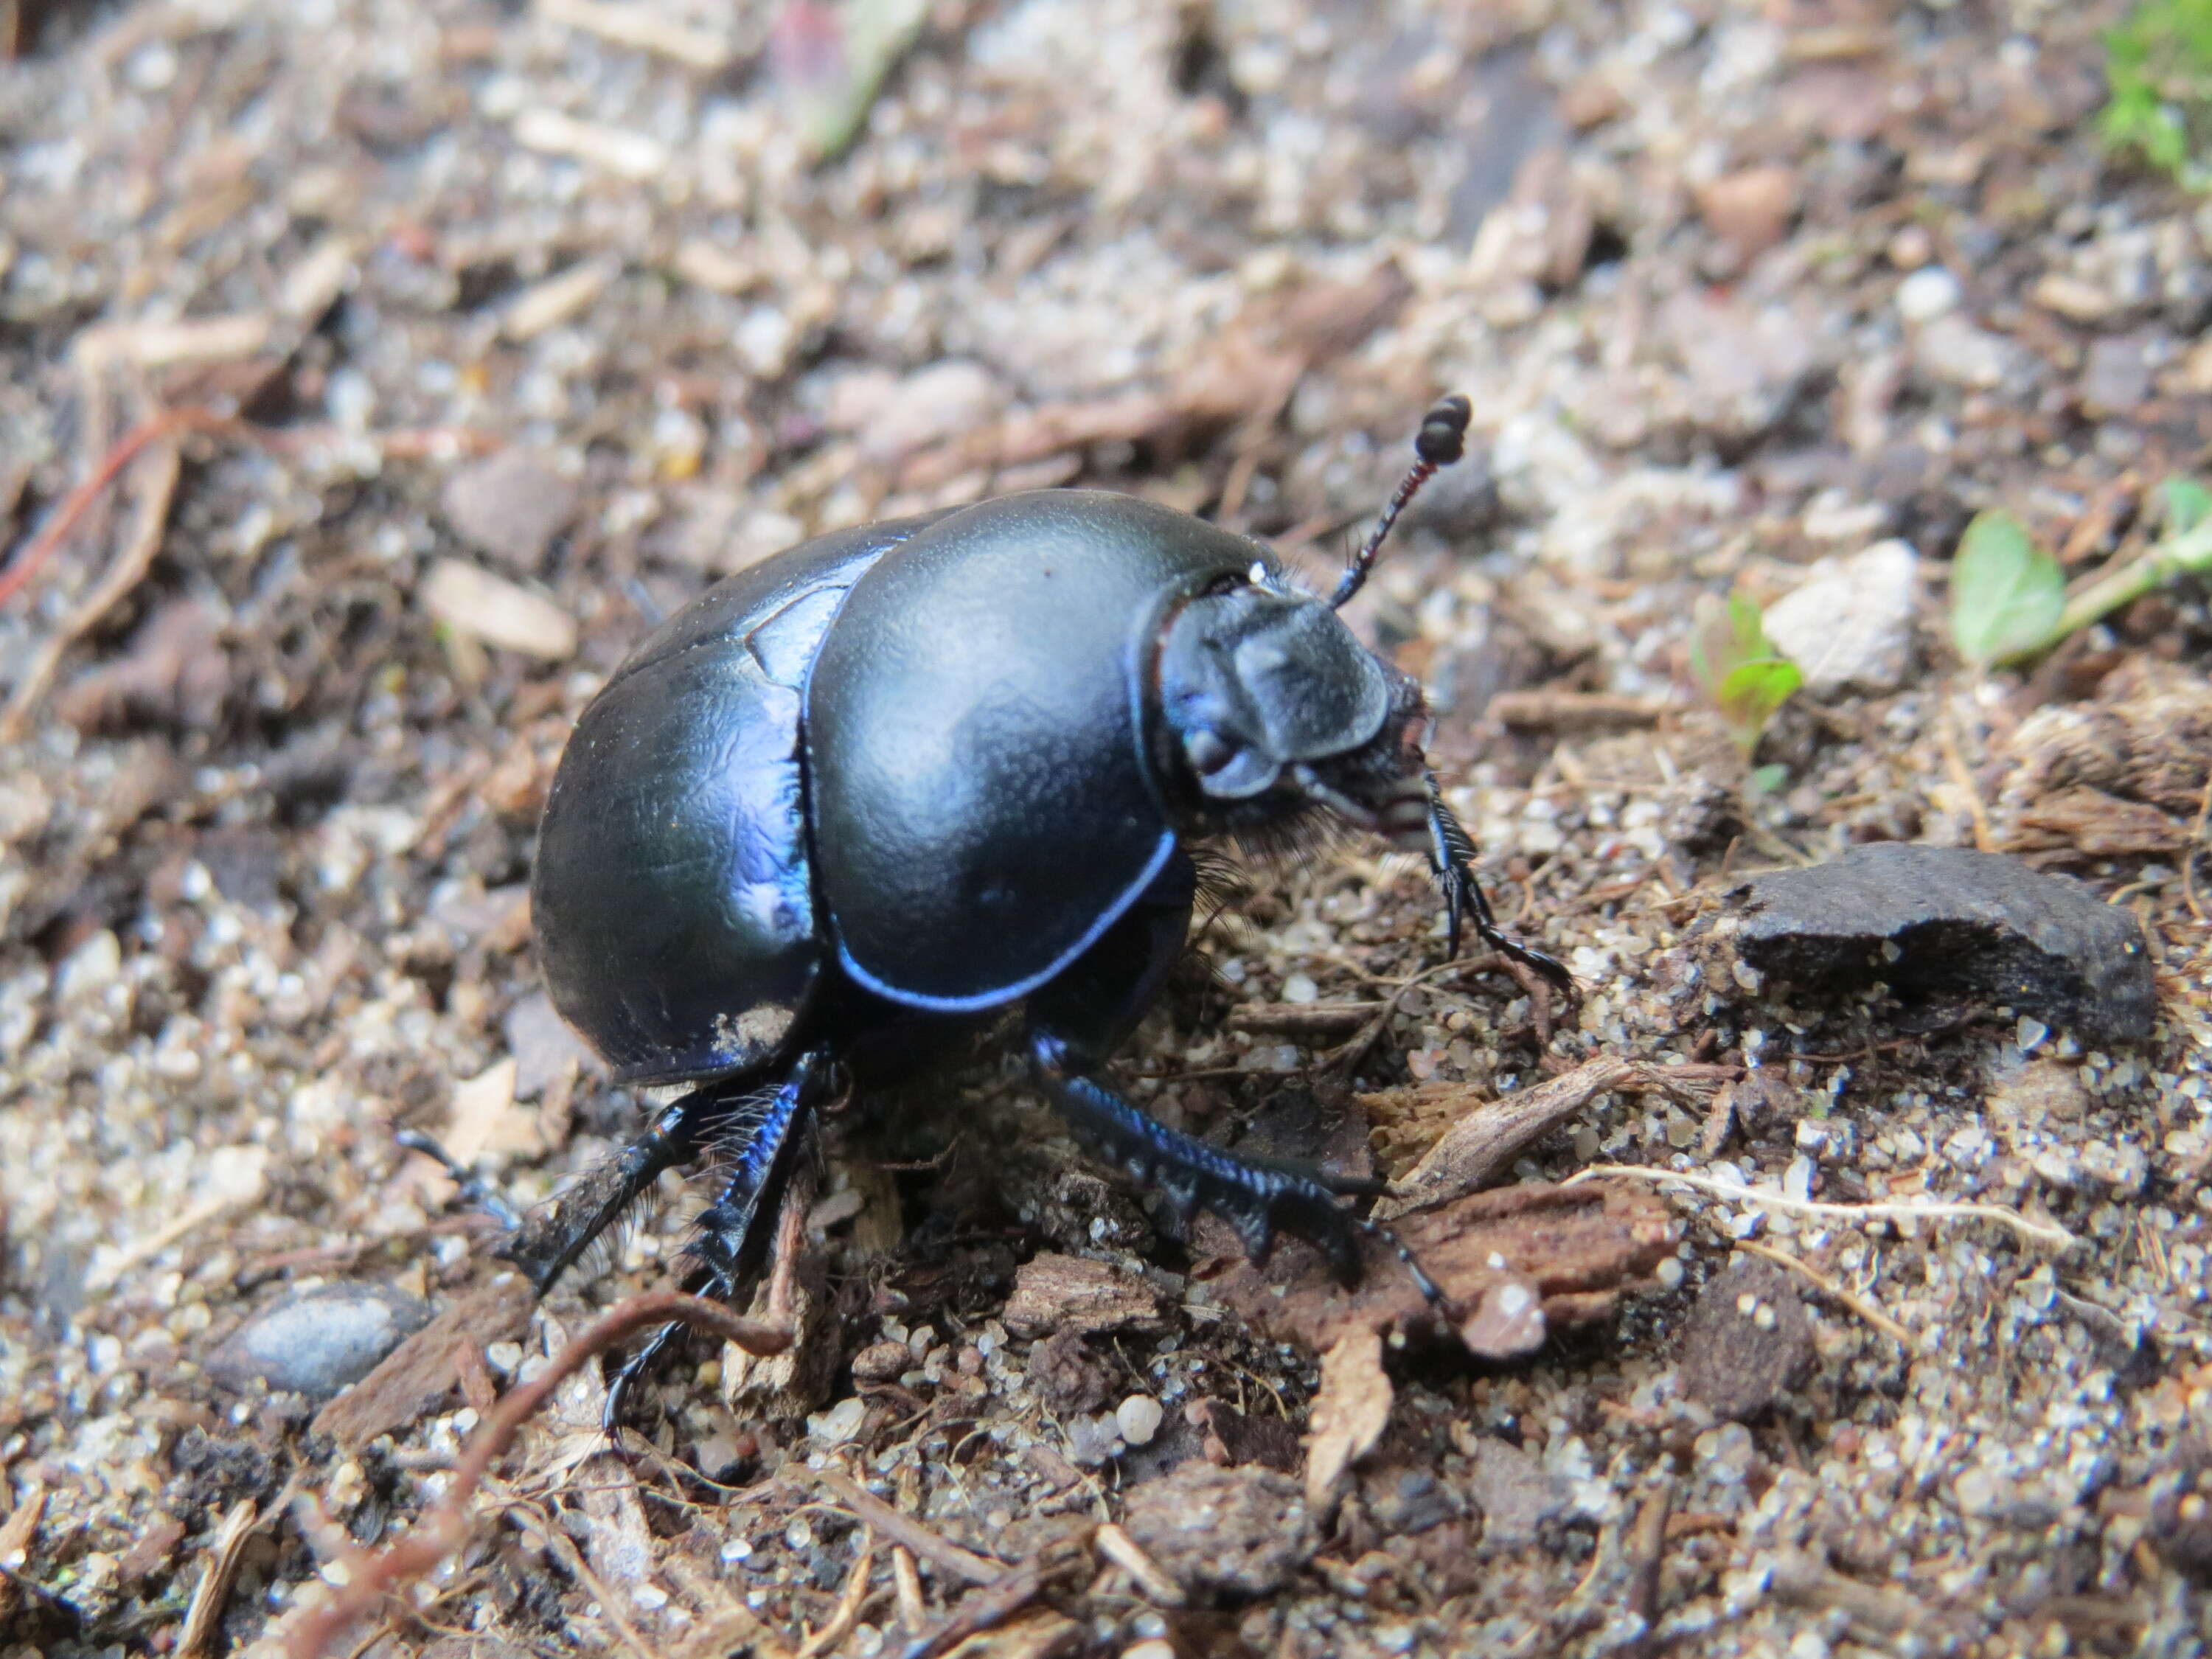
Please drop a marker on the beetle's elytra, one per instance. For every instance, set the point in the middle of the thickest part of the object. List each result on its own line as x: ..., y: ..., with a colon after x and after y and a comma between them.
x: 873, y: 790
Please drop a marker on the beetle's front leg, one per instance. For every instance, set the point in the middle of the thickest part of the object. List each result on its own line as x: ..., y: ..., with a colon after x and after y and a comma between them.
x: 1451, y: 858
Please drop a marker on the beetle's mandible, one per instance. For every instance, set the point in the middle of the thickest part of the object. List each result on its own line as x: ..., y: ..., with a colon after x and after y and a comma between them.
x: 870, y: 791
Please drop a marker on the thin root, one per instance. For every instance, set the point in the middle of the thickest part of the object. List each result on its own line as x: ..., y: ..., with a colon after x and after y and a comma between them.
x: 2047, y: 1234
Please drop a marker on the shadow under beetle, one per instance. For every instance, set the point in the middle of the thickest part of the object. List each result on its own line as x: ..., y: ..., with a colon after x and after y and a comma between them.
x: 860, y: 796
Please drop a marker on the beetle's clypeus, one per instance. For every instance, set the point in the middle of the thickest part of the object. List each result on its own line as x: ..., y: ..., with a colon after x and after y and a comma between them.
x: 868, y: 792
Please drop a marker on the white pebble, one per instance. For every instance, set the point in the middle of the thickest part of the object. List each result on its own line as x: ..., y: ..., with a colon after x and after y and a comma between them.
x: 1300, y: 987
x: 1926, y: 293
x: 1139, y: 1419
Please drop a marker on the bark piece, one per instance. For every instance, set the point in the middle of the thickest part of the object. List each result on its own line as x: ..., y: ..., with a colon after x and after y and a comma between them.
x: 1234, y: 1531
x: 1054, y: 1292
x: 425, y: 1368
x: 1575, y: 1248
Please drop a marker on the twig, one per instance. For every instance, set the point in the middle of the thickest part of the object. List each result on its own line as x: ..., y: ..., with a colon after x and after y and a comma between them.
x: 535, y: 1519
x: 213, y: 1591
x: 409, y: 445
x: 905, y: 1529
x: 985, y: 1610
x: 847, y: 1613
x: 2048, y: 1234
x: 129, y: 569
x: 913, y: 1611
x: 445, y: 1528
x: 1124, y: 1551
x: 1954, y: 763
x: 17, y: 1534
x: 2192, y: 850
x: 1862, y: 1306
x: 1646, y: 1550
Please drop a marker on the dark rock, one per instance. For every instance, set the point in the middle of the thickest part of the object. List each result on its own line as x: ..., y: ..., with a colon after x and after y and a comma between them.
x: 1517, y: 1494
x: 1239, y: 1531
x: 316, y: 1343
x: 1943, y: 920
x: 1748, y: 1341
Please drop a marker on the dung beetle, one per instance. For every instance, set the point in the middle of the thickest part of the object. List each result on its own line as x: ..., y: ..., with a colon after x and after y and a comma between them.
x: 857, y: 799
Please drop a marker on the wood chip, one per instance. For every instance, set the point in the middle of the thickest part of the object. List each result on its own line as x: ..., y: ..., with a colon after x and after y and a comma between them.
x: 165, y: 344
x: 203, y: 1620
x: 618, y: 150
x: 1482, y: 1145
x: 649, y: 27
x: 560, y: 298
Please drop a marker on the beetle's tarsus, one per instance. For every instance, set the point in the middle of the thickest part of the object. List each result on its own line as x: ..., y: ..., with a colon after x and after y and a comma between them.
x: 1451, y: 857
x: 475, y: 1188
x: 762, y: 1133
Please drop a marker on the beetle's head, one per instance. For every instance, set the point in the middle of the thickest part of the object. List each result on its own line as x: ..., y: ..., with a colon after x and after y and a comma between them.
x: 1270, y: 707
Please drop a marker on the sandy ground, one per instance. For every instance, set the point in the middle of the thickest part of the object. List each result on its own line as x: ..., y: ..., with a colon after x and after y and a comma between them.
x: 474, y: 335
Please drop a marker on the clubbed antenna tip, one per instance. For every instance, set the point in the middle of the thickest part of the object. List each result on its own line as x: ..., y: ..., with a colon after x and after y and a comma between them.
x: 1441, y: 440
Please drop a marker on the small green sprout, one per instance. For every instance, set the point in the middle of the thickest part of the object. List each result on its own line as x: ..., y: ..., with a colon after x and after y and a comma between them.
x: 1741, y: 672
x: 2008, y: 598
x: 2157, y: 67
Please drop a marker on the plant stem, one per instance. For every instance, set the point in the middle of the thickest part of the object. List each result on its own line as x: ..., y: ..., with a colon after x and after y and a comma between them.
x: 2107, y: 593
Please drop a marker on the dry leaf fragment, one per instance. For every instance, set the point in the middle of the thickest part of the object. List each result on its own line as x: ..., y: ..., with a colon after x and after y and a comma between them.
x: 474, y: 602
x: 1349, y: 1411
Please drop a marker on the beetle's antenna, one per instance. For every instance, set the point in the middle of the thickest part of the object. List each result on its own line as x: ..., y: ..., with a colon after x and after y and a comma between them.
x: 1441, y: 440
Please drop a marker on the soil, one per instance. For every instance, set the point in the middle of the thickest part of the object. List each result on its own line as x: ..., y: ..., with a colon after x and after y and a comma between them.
x: 408, y: 360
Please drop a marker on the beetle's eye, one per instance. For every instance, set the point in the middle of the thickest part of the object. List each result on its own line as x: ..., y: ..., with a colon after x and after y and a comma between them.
x: 1207, y: 752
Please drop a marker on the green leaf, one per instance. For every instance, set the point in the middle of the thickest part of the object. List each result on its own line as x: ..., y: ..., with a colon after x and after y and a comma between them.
x: 2187, y: 503
x: 2006, y: 593
x: 1768, y: 779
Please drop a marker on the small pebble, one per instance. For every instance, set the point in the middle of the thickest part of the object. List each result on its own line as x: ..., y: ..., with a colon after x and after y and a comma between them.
x: 1926, y: 293
x: 316, y: 1343
x: 1139, y: 1419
